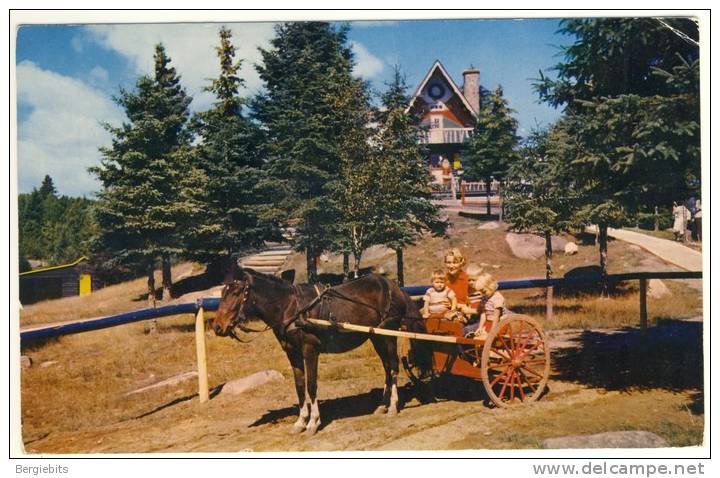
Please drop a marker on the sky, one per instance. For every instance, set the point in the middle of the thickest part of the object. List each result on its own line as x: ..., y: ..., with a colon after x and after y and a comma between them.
x: 67, y: 75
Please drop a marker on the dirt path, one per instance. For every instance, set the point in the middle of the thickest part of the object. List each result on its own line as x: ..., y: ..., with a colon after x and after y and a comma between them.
x: 669, y: 251
x: 260, y: 420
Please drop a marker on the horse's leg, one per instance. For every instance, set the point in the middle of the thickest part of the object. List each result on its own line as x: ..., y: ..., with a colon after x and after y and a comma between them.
x: 386, y: 348
x: 296, y: 361
x: 311, y: 352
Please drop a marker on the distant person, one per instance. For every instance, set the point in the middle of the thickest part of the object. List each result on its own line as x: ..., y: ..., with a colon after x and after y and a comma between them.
x: 681, y: 215
x: 438, y: 296
x: 697, y: 218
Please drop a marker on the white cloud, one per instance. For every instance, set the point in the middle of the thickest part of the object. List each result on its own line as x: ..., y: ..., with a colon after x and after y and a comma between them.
x: 62, y: 133
x: 367, y: 65
x: 191, y: 48
x: 99, y: 74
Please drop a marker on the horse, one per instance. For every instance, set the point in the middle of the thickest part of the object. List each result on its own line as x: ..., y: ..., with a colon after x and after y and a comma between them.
x: 372, y: 301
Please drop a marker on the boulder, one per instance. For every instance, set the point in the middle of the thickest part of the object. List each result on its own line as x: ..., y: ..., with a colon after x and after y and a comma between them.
x: 624, y: 439
x: 25, y: 361
x: 240, y: 385
x: 657, y: 289
x: 532, y: 246
x: 489, y: 225
x: 571, y: 248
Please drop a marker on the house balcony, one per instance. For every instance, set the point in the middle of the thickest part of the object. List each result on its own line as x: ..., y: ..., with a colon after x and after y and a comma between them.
x: 445, y: 135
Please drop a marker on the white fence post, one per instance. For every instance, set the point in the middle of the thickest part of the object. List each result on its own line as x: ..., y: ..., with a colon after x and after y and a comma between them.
x: 203, y: 391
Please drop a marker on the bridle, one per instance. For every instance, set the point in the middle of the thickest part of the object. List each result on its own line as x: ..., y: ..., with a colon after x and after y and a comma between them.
x: 241, y: 318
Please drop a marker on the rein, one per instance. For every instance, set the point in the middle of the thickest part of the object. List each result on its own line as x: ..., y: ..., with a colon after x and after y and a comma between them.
x: 237, y: 323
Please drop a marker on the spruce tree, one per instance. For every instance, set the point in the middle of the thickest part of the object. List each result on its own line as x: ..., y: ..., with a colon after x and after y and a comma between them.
x: 48, y: 187
x: 493, y: 145
x: 229, y: 218
x: 303, y: 73
x: 140, y: 208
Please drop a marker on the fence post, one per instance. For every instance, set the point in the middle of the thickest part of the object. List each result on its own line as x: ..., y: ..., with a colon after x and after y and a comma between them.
x: 203, y: 392
x: 643, y: 304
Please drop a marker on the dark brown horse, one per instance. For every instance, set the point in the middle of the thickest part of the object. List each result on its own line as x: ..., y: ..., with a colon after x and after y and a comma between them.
x: 373, y: 301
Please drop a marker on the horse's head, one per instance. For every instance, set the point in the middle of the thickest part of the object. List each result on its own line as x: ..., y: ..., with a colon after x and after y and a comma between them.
x: 233, y: 304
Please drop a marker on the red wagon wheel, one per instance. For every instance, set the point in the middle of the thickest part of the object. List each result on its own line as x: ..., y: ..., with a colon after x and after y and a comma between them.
x: 515, y: 363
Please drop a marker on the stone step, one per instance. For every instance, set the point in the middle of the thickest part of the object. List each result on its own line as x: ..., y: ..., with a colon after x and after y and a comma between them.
x: 266, y: 269
x: 264, y: 260
x: 274, y: 253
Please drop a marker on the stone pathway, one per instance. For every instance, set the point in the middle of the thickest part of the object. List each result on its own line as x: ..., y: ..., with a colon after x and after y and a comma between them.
x: 669, y: 251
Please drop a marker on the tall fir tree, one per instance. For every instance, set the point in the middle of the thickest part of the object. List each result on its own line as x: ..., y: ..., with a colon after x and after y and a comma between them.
x: 48, y: 187
x: 141, y: 206
x: 230, y: 216
x: 303, y: 73
x: 494, y: 142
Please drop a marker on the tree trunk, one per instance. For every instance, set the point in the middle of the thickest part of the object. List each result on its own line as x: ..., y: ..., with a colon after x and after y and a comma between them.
x: 311, y: 265
x: 502, y: 205
x: 487, y: 193
x: 166, y: 277
x: 151, y: 286
x: 548, y: 275
x: 346, y: 265
x: 657, y: 220
x: 602, y: 242
x: 400, y: 266
x: 356, y: 263
x: 151, y: 296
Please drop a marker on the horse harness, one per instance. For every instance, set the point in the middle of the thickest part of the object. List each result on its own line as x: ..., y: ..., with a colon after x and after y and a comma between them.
x: 297, y: 321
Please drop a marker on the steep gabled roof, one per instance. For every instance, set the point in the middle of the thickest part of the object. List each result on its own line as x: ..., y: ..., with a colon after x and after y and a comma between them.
x: 439, y: 66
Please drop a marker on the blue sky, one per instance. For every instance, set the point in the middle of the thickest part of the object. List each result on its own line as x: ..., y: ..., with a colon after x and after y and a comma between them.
x: 67, y: 75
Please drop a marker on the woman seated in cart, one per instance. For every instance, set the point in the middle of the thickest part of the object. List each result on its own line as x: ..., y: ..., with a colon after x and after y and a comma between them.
x: 456, y: 277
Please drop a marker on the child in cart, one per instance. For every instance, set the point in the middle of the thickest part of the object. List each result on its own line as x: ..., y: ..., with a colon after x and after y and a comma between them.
x: 437, y: 298
x: 490, y: 306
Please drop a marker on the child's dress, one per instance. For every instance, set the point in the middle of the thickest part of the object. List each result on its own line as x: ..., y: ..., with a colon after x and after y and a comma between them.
x: 436, y: 300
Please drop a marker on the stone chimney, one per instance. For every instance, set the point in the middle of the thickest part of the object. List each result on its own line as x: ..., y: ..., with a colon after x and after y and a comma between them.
x: 471, y: 87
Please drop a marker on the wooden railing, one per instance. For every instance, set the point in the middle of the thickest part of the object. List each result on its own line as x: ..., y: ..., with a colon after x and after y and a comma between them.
x: 445, y: 135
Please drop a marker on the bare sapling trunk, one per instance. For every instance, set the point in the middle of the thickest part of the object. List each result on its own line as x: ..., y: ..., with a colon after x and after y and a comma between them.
x: 166, y: 277
x: 356, y: 263
x: 311, y: 265
x: 400, y: 266
x: 602, y: 242
x: 151, y: 296
x: 346, y: 265
x: 151, y: 286
x: 548, y: 275
x: 487, y: 194
x: 657, y: 220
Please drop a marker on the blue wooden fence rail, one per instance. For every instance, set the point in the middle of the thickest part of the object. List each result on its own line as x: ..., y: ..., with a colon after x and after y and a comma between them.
x: 212, y: 303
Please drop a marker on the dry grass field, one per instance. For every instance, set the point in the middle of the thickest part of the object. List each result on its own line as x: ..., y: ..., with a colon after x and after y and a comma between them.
x: 606, y: 376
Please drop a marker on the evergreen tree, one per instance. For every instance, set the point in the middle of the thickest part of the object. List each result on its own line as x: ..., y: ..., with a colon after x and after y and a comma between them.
x: 140, y: 205
x: 229, y: 216
x: 303, y: 73
x: 539, y: 201
x: 493, y: 145
x: 630, y: 91
x: 47, y: 188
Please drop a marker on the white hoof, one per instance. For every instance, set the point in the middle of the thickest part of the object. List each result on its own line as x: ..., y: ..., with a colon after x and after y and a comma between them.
x: 381, y: 410
x: 312, y: 429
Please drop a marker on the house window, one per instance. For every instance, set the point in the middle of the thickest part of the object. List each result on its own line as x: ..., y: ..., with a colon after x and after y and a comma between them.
x: 435, y: 123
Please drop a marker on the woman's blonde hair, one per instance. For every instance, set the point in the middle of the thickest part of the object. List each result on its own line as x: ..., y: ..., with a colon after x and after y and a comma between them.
x: 473, y: 271
x: 456, y: 254
x: 486, y: 284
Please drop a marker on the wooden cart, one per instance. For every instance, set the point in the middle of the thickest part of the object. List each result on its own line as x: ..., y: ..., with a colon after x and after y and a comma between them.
x: 513, y: 362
